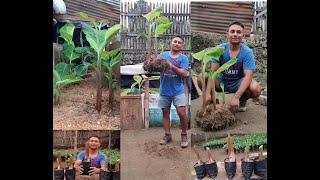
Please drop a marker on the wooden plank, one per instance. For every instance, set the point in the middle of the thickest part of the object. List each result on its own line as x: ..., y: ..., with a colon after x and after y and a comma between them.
x: 260, y: 9
x: 259, y: 32
x: 75, y: 145
x: 131, y: 112
x: 146, y: 101
x: 261, y: 13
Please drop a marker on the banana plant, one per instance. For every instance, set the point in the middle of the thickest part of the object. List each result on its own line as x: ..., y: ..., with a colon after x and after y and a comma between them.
x: 98, y: 39
x: 109, y: 60
x: 162, y: 24
x: 138, y: 81
x: 205, y: 56
x: 59, y: 81
x: 162, y: 49
x: 71, y: 52
x: 223, y: 94
x: 213, y: 76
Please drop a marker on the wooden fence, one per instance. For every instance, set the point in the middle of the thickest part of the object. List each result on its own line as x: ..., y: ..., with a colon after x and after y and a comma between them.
x: 133, y: 24
x: 260, y: 18
x: 76, y: 139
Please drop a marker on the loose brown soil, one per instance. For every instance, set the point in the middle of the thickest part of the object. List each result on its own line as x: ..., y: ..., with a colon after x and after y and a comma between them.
x: 156, y: 65
x: 143, y: 158
x: 77, y: 110
x: 217, y: 120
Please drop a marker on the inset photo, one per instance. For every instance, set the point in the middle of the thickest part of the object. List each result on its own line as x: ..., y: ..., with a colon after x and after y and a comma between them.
x: 79, y: 155
x: 238, y: 157
x: 86, y: 66
x: 155, y: 63
x: 155, y: 89
x: 229, y: 69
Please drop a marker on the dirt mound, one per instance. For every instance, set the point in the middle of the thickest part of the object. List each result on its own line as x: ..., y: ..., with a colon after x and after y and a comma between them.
x: 218, y: 120
x: 156, y: 65
x: 154, y: 149
x: 151, y: 147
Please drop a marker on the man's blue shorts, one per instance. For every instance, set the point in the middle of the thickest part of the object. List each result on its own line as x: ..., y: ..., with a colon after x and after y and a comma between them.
x: 178, y: 100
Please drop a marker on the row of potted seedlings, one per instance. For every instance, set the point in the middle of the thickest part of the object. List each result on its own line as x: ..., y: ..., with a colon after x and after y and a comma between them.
x: 60, y: 172
x: 257, y: 165
x: 69, y: 172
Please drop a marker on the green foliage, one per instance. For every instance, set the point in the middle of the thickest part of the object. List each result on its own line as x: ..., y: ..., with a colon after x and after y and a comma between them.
x: 223, y: 93
x: 205, y: 56
x: 114, y: 82
x: 112, y: 154
x: 66, y: 32
x: 214, y: 143
x: 161, y: 28
x: 239, y: 142
x: 102, y: 61
x: 161, y: 25
x: 208, y: 54
x: 61, y: 80
x: 81, y: 69
x: 225, y: 66
x: 162, y: 49
x: 138, y: 81
x: 154, y: 13
x: 71, y: 52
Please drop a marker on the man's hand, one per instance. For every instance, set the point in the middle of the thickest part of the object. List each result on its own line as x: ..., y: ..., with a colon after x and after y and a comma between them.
x: 94, y: 170
x: 234, y: 105
x: 170, y: 64
x: 79, y: 169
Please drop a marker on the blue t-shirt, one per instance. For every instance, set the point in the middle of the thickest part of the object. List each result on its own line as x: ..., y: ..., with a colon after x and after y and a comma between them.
x: 171, y: 84
x: 95, y: 162
x: 245, y: 61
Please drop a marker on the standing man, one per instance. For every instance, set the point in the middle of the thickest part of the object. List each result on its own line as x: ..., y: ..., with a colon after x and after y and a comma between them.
x: 238, y: 78
x: 172, y: 89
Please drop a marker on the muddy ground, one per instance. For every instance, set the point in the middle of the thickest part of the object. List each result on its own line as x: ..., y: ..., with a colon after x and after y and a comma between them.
x: 77, y: 110
x: 143, y: 158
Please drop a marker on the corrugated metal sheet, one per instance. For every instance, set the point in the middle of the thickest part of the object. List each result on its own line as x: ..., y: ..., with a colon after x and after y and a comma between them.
x: 94, y: 9
x: 113, y: 3
x: 214, y: 17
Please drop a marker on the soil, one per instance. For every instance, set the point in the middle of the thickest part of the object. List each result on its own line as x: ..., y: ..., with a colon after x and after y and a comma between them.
x: 219, y: 155
x: 143, y: 158
x: 77, y: 109
x: 156, y: 65
x: 219, y: 119
x: 254, y: 120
